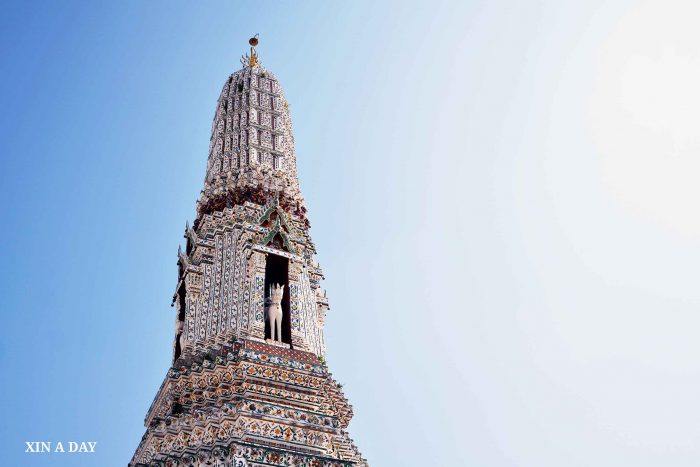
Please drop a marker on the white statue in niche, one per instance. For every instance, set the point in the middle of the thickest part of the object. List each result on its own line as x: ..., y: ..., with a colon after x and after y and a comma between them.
x: 179, y: 328
x: 274, y: 311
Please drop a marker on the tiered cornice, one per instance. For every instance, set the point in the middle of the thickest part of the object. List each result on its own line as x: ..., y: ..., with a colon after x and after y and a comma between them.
x: 250, y: 398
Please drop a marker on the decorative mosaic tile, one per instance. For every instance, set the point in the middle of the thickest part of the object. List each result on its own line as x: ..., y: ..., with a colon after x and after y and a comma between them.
x: 259, y: 299
x: 294, y: 302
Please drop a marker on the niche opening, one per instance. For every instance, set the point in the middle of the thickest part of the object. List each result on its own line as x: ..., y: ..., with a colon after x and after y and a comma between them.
x: 277, y: 272
x: 181, y: 301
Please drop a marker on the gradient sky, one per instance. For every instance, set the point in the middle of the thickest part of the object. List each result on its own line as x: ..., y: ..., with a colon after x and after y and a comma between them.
x: 503, y: 195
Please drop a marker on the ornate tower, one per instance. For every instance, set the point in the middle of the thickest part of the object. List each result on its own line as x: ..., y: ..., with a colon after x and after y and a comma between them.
x: 242, y: 392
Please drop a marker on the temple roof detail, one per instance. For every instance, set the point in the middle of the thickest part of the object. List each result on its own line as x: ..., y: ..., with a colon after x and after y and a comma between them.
x: 252, y: 143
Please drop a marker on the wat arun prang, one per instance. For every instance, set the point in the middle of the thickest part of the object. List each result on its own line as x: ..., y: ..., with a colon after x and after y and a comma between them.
x: 241, y: 392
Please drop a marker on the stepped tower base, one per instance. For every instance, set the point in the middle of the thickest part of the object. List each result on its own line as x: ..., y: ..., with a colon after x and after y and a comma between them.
x: 250, y: 404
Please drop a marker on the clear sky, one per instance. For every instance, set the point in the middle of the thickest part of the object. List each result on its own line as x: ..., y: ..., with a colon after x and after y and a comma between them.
x: 503, y: 195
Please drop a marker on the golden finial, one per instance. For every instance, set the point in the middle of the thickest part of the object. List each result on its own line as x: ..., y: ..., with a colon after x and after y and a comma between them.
x: 253, y: 41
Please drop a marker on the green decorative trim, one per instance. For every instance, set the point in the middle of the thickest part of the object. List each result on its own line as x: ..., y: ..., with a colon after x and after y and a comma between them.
x: 277, y: 229
x: 280, y: 216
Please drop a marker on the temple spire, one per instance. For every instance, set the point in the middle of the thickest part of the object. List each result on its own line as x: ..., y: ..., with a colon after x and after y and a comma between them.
x: 251, y: 153
x: 248, y: 383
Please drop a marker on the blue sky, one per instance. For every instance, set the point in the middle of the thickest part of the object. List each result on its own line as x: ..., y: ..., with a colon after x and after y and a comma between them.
x: 503, y: 197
